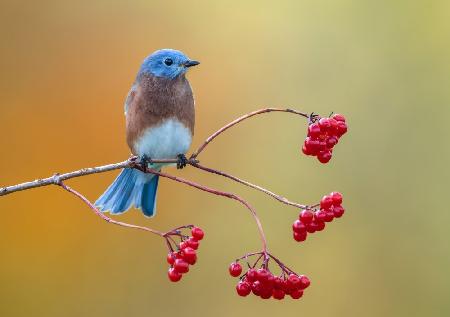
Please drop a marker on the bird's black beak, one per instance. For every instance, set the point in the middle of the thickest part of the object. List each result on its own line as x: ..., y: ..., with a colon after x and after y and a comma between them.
x: 191, y: 63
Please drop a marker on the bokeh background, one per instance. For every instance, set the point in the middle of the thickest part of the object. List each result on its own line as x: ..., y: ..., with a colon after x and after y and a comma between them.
x: 65, y: 69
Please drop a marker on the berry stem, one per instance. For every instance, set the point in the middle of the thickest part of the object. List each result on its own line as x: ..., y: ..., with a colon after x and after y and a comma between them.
x: 169, y: 245
x: 282, y: 266
x: 175, y: 231
x: 246, y: 256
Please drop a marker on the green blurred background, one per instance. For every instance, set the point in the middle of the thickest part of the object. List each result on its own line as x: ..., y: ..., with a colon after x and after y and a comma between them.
x: 65, y: 69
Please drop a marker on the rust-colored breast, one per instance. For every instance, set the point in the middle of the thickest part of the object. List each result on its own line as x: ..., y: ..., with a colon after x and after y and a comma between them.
x: 153, y: 100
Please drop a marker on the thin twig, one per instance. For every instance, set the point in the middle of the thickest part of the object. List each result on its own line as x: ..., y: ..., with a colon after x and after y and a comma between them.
x: 103, y: 216
x: 246, y: 183
x: 242, y: 118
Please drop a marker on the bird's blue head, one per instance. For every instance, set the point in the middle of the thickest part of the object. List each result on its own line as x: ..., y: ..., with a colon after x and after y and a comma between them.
x: 167, y: 63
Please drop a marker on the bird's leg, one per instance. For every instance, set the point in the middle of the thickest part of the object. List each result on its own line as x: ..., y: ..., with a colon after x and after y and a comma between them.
x: 144, y: 161
x: 182, y: 161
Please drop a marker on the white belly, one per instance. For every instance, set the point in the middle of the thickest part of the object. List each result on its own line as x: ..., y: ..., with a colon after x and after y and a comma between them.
x: 167, y: 140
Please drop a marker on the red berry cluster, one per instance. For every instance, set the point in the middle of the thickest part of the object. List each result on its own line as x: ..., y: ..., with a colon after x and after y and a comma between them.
x: 311, y: 220
x: 323, y: 135
x: 186, y: 255
x: 261, y: 282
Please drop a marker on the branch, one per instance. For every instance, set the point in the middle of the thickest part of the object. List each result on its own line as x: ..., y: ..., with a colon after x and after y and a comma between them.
x: 103, y: 216
x: 246, y: 183
x: 57, y: 178
x: 242, y: 118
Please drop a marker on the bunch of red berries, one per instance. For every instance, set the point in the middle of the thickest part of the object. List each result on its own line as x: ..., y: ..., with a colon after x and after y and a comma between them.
x: 323, y: 135
x: 261, y: 282
x: 312, y: 220
x: 186, y: 255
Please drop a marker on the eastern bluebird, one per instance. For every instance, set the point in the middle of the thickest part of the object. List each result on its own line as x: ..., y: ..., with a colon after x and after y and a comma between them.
x: 160, y: 119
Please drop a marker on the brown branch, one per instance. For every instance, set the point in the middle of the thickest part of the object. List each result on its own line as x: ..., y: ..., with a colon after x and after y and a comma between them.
x: 103, y: 216
x: 246, y: 183
x: 242, y: 118
x: 56, y: 178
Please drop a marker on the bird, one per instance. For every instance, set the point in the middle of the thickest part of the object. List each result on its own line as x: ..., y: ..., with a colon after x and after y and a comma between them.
x: 160, y: 119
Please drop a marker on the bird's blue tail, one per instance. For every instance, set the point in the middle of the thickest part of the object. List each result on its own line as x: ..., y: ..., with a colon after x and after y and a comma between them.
x: 130, y: 187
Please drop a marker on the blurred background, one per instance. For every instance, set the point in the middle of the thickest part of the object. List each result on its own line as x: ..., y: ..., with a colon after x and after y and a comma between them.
x: 65, y: 70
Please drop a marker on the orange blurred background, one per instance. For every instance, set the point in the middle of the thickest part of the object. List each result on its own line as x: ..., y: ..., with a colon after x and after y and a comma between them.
x: 65, y: 69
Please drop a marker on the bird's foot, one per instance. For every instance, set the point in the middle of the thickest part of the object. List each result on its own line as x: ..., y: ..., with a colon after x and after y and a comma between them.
x: 182, y: 161
x: 144, y: 161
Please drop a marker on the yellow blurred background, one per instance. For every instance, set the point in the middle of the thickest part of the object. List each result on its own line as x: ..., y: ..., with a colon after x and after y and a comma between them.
x: 65, y: 69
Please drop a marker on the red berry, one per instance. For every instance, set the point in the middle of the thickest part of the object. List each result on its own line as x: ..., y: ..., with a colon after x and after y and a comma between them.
x: 300, y: 236
x: 319, y: 216
x: 235, y: 269
x: 338, y: 211
x: 338, y: 117
x: 314, y: 130
x: 304, y: 282
x: 278, y: 294
x: 333, y: 126
x: 320, y: 226
x: 306, y: 150
x: 193, y: 243
x: 324, y: 156
x: 330, y: 216
x: 181, y: 266
x: 324, y: 124
x: 256, y: 288
x: 243, y: 288
x: 197, y: 233
x: 336, y: 197
x: 174, y: 275
x: 189, y: 255
x: 270, y: 281
x: 252, y: 275
x: 331, y: 142
x: 263, y: 275
x: 326, y: 202
x: 286, y: 288
x: 311, y: 227
x: 296, y: 294
x: 266, y: 293
x: 306, y: 216
x: 293, y: 281
x: 298, y: 226
x: 278, y: 283
x: 312, y: 144
x: 341, y: 128
x: 322, y: 147
x: 171, y: 258
x: 183, y: 245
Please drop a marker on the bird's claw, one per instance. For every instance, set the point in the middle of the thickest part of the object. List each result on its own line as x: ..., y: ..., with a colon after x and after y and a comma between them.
x: 144, y: 161
x: 182, y: 161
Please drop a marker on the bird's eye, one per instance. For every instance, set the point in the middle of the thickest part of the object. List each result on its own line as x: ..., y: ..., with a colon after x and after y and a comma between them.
x: 168, y: 61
